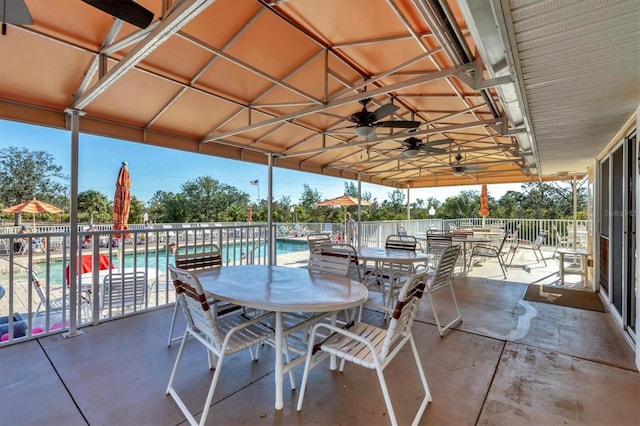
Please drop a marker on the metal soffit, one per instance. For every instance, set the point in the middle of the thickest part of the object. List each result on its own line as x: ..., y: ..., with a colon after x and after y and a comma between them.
x: 244, y: 79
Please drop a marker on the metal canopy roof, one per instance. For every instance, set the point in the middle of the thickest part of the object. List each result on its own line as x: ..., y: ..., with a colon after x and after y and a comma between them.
x: 512, y: 91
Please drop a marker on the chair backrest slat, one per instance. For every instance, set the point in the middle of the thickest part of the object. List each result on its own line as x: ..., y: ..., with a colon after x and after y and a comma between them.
x: 200, y: 260
x: 404, y: 312
x: 505, y: 237
x: 401, y: 242
x: 537, y: 243
x: 337, y: 262
x: 316, y: 240
x: 195, y: 305
x: 124, y: 290
x: 436, y: 245
x: 445, y: 267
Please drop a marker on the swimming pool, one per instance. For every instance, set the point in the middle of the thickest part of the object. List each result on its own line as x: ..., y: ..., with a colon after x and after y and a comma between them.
x: 231, y: 254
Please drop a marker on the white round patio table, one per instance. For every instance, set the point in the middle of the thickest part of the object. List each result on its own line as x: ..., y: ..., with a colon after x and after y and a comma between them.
x: 392, y: 257
x: 375, y: 254
x: 467, y: 240
x: 281, y: 289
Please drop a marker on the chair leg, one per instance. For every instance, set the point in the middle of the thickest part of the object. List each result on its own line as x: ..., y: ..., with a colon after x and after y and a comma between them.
x: 175, y: 368
x: 173, y: 324
x: 385, y: 394
x: 454, y: 321
x: 423, y: 379
x: 542, y: 256
x: 307, y: 367
x: 504, y: 268
x: 212, y: 389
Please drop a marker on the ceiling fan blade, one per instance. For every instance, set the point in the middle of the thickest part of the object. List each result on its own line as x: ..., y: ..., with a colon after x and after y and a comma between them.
x: 384, y: 111
x: 15, y: 12
x: 432, y: 149
x: 438, y: 142
x: 400, y: 124
x: 127, y: 10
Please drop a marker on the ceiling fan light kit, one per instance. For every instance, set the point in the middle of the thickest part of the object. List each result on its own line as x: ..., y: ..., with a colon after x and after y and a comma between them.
x: 366, y: 121
x: 365, y: 131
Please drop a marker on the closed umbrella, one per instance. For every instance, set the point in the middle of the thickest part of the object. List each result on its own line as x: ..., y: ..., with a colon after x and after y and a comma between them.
x: 122, y: 200
x: 34, y: 207
x: 484, y: 203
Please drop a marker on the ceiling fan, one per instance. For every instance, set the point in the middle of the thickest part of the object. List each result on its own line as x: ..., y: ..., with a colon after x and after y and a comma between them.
x: 459, y: 168
x: 414, y: 146
x: 366, y: 121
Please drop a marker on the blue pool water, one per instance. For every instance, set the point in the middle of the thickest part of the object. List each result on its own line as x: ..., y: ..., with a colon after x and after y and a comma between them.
x: 232, y: 254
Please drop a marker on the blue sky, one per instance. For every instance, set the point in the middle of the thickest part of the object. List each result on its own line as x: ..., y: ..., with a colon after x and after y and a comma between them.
x: 153, y: 169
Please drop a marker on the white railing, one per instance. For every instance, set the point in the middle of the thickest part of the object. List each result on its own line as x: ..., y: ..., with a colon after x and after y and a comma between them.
x: 34, y: 271
x: 147, y: 252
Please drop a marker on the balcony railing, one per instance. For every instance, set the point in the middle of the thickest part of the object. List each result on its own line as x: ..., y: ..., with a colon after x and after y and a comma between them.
x: 34, y: 267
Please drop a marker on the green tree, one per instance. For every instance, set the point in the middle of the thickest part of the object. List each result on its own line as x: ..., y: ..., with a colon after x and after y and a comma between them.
x: 94, y: 206
x: 26, y: 174
x: 395, y: 207
x: 136, y: 212
x: 166, y: 207
x: 307, y: 210
x: 465, y: 204
x: 207, y: 199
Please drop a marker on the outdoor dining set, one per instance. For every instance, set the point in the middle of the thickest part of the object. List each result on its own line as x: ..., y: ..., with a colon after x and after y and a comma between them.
x: 312, y: 313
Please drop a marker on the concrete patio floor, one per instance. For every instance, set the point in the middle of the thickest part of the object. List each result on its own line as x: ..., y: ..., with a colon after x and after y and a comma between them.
x: 510, y: 362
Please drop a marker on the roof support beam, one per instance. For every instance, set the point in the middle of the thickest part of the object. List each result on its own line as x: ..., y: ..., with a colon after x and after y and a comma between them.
x: 343, y: 101
x: 178, y: 18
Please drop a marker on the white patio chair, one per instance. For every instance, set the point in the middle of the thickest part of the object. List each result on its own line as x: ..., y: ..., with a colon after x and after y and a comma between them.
x: 54, y: 301
x: 397, y: 273
x: 221, y: 336
x: 491, y: 252
x: 561, y: 241
x: 193, y: 261
x: 535, y: 246
x: 315, y: 240
x: 4, y: 247
x: 338, y: 262
x: 437, y: 243
x: 374, y: 347
x: 442, y: 280
x: 123, y: 290
x: 343, y: 249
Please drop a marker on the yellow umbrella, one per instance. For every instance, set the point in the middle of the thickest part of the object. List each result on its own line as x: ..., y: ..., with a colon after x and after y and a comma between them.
x: 34, y: 207
x: 344, y: 201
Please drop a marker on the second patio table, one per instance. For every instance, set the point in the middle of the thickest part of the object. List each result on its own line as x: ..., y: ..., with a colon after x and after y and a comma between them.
x: 281, y: 289
x: 468, y: 240
x: 391, y: 256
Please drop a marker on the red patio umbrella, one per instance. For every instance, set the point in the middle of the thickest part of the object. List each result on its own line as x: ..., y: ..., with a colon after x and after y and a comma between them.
x: 122, y: 200
x: 484, y: 203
